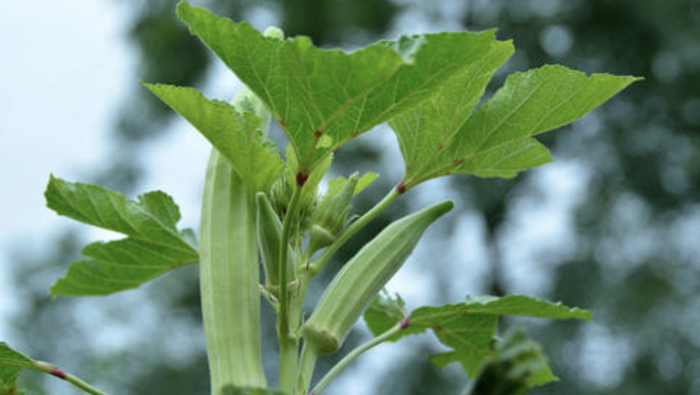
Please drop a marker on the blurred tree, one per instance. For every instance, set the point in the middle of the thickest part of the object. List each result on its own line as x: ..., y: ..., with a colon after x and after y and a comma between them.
x: 632, y: 257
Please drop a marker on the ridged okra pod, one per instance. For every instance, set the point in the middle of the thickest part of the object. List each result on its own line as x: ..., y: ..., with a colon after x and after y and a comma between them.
x: 229, y: 278
x: 361, y: 279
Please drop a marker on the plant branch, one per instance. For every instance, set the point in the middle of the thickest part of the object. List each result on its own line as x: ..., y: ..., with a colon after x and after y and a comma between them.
x: 45, y: 367
x: 288, y: 343
x: 340, y: 366
x: 350, y: 231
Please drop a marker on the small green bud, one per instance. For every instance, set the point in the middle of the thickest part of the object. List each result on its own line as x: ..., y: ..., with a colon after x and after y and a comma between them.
x: 330, y: 215
x: 361, y: 279
x: 269, y: 238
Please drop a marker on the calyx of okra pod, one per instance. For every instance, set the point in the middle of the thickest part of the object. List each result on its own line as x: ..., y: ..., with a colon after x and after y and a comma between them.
x: 361, y: 279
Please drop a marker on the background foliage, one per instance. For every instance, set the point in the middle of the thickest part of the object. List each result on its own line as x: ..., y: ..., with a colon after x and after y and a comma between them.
x: 630, y: 251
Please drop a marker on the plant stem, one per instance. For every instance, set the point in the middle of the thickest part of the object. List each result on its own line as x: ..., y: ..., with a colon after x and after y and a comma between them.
x: 288, y: 341
x: 306, y: 368
x: 54, y: 371
x: 333, y: 373
x: 350, y: 231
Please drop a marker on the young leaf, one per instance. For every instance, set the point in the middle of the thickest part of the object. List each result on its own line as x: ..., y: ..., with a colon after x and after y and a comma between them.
x: 323, y: 98
x: 235, y: 134
x: 468, y: 328
x: 153, y: 245
x: 384, y: 312
x: 496, y: 140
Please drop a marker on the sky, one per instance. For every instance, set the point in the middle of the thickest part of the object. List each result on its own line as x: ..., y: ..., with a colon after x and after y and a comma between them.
x: 64, y: 68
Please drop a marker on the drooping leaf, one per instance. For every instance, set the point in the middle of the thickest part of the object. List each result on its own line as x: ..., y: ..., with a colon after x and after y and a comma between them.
x: 440, y: 137
x: 153, y: 246
x: 468, y: 328
x: 515, y: 364
x: 384, y: 312
x: 323, y: 98
x: 235, y: 134
x: 12, y: 363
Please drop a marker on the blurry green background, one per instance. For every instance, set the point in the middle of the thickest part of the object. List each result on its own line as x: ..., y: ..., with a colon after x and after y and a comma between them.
x: 613, y: 225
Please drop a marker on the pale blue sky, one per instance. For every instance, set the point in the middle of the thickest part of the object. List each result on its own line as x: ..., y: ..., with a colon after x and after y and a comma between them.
x: 63, y: 71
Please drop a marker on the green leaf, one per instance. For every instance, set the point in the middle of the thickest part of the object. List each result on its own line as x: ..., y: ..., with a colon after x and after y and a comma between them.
x: 235, y: 134
x: 516, y: 364
x: 384, y: 313
x: 336, y: 184
x: 153, y: 246
x: 440, y: 137
x: 231, y: 390
x: 468, y: 328
x: 12, y: 363
x: 324, y: 98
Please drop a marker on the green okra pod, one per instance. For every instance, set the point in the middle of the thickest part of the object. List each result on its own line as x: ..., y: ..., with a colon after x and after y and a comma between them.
x: 361, y: 279
x: 229, y: 278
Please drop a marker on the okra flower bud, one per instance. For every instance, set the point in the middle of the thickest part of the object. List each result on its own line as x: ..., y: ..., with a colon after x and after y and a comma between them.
x: 361, y: 279
x: 269, y: 229
x: 330, y: 215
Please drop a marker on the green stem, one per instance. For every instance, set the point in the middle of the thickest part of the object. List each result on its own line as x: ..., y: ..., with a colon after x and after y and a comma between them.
x: 340, y: 366
x: 54, y: 371
x: 288, y: 340
x: 309, y: 355
x: 350, y: 231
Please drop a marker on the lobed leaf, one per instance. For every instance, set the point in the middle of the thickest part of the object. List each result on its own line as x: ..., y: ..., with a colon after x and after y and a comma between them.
x: 468, y: 328
x: 235, y: 134
x: 153, y: 246
x: 440, y: 137
x: 324, y: 98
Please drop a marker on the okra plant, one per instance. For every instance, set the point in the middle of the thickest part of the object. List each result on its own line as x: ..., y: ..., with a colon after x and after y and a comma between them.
x: 266, y: 230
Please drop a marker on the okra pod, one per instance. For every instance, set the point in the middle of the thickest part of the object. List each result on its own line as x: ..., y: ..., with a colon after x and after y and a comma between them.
x: 361, y: 279
x: 229, y: 278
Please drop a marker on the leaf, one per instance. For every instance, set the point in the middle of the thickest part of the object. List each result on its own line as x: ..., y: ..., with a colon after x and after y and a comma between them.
x: 496, y: 139
x: 153, y: 246
x: 515, y: 364
x: 231, y: 390
x: 235, y: 134
x: 324, y: 98
x: 384, y: 313
x: 426, y: 130
x: 336, y: 184
x: 468, y: 328
x: 12, y: 363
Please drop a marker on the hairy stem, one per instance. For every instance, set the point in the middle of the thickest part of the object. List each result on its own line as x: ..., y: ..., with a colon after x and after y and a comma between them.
x: 340, y: 366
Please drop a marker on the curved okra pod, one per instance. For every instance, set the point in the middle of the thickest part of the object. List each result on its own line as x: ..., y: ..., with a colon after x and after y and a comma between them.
x: 361, y: 279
